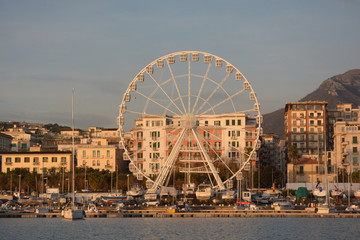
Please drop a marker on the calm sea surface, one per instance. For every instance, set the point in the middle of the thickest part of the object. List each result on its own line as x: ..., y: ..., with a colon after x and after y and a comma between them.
x: 183, y: 228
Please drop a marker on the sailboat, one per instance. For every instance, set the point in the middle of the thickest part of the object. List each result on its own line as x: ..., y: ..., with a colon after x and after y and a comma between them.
x: 326, y: 208
x: 73, y: 213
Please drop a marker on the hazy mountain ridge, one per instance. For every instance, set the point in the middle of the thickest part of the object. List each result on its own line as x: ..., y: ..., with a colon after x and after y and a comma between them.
x: 343, y: 88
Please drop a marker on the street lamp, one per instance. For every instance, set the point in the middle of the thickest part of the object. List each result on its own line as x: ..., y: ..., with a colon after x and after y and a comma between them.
x: 128, y: 185
x: 19, y: 185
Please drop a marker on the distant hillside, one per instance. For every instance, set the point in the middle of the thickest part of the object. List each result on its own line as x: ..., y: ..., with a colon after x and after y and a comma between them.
x: 343, y: 88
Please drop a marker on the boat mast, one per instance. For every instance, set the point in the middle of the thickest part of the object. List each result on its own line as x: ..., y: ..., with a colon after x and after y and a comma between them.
x: 73, y: 149
x: 326, y: 173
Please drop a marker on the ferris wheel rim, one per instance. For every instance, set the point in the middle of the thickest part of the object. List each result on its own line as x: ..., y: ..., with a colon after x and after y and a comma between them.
x: 165, y: 57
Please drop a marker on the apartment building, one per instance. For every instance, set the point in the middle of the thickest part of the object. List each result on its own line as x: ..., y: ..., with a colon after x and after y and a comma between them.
x: 21, y: 139
x: 305, y: 126
x: 224, y: 135
x: 40, y: 162
x: 98, y: 154
x: 347, y: 145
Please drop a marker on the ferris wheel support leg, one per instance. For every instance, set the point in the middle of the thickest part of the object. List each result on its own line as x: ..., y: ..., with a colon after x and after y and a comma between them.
x: 170, y: 161
x: 207, y: 158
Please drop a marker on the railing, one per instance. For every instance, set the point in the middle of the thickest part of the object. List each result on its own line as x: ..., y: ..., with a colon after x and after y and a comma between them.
x: 8, y: 163
x: 108, y: 166
x: 36, y: 163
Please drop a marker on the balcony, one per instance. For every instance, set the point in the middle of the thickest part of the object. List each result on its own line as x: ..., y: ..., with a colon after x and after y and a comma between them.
x: 8, y: 163
x: 108, y: 166
x: 345, y: 143
x: 36, y: 163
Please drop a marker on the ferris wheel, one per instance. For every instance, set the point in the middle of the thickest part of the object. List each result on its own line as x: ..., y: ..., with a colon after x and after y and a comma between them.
x: 191, y: 111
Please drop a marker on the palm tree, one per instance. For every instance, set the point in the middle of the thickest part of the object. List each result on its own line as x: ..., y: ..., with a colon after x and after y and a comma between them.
x: 293, y: 154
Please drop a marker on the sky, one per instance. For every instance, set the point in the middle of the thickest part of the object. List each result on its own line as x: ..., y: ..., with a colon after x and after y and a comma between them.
x: 284, y: 48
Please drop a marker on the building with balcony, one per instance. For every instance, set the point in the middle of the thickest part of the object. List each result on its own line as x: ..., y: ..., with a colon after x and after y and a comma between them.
x: 225, y: 135
x: 40, y: 162
x: 347, y: 145
x: 98, y: 154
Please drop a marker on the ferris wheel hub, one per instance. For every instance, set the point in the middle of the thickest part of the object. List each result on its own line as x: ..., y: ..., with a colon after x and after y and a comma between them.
x: 188, y: 121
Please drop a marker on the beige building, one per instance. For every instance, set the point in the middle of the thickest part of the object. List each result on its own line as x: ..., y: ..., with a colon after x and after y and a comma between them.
x: 36, y: 161
x: 347, y: 145
x: 306, y: 170
x: 99, y: 155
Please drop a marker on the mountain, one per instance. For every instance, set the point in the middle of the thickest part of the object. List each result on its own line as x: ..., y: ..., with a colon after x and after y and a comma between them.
x: 343, y: 88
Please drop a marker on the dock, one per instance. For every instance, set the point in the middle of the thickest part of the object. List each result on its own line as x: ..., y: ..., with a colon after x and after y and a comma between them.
x: 197, y: 214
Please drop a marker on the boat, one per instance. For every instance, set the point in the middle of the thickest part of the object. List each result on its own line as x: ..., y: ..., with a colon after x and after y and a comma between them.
x: 204, y: 192
x: 150, y: 195
x: 326, y: 207
x: 189, y: 190
x: 135, y: 190
x: 357, y: 194
x: 92, y: 209
x: 113, y: 198
x: 319, y: 193
x: 228, y: 195
x: 283, y: 205
x: 73, y: 213
x: 172, y: 209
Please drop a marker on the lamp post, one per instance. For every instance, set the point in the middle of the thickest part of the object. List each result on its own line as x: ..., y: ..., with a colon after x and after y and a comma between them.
x: 128, y: 185
x: 19, y: 185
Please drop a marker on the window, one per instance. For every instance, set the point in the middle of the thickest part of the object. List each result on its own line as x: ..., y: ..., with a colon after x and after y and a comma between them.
x: 239, y: 122
x: 8, y: 160
x: 355, y: 140
x: 35, y: 159
x: 45, y: 159
x: 13, y: 145
x: 98, y: 153
x: 94, y: 153
x: 23, y: 145
x: 98, y: 162
x: 227, y: 122
x: 354, y: 150
x: 17, y: 159
x: 238, y: 133
x: 94, y: 163
x: 139, y: 145
x: 301, y: 170
x: 217, y: 123
x: 139, y: 156
x: 35, y: 170
x: 54, y: 159
x: 355, y: 160
x: 108, y: 153
x: 84, y: 153
x: 206, y: 123
x: 26, y: 159
x: 63, y: 160
x: 233, y: 122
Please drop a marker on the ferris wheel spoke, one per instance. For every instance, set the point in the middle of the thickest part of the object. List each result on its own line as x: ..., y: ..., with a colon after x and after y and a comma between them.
x: 150, y: 99
x: 222, y: 102
x: 213, y: 92
x: 207, y: 158
x: 202, y: 86
x: 217, y: 156
x: 176, y: 86
x: 189, y: 85
x: 159, y: 86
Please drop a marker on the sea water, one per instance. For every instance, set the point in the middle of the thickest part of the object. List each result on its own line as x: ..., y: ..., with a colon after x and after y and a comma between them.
x: 181, y: 228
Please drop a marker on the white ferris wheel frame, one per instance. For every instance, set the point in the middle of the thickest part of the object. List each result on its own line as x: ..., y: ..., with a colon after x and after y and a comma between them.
x: 251, y: 156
